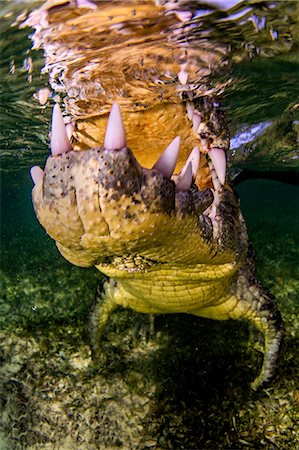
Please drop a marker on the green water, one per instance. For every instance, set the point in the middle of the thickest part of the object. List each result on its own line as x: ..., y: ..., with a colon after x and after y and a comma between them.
x: 187, y: 386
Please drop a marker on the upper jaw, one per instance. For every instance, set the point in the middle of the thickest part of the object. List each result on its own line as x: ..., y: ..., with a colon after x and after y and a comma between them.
x: 115, y: 139
x: 148, y: 131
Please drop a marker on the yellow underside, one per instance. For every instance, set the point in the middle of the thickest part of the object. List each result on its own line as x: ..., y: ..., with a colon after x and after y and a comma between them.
x: 203, y: 290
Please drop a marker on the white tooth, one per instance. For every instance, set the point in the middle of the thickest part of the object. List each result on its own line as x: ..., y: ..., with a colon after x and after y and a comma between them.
x: 190, y: 109
x: 43, y: 95
x: 36, y: 174
x: 44, y: 19
x: 115, y: 137
x: 183, y: 77
x: 86, y: 4
x: 218, y: 159
x: 69, y: 129
x: 194, y: 158
x: 213, y: 211
x: 167, y: 161
x: 196, y: 121
x: 183, y: 16
x: 59, y: 141
x: 184, y: 180
x: 215, y: 179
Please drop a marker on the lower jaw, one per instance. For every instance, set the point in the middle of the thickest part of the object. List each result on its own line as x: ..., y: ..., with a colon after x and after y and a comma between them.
x: 148, y: 131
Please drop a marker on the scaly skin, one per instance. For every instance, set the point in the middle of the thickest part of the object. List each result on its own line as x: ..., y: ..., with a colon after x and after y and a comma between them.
x: 165, y: 250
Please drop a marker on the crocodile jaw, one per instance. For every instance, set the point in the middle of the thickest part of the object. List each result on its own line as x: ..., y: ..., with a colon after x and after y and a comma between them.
x: 100, y: 204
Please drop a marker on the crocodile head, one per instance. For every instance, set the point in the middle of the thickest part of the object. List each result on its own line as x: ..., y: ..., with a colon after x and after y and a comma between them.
x: 104, y: 208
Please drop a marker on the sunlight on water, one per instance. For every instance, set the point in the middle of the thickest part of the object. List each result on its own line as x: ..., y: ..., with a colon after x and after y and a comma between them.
x: 212, y: 38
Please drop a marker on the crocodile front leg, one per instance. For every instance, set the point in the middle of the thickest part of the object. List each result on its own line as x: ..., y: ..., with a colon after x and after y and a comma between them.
x: 109, y: 296
x: 103, y: 307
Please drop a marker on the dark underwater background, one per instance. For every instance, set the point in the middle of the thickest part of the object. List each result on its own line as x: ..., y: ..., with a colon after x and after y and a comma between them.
x: 187, y: 385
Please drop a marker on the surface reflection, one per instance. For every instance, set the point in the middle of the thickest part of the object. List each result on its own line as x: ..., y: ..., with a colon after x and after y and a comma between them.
x: 205, y: 42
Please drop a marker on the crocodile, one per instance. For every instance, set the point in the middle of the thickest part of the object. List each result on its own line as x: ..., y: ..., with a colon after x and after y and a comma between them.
x: 136, y: 183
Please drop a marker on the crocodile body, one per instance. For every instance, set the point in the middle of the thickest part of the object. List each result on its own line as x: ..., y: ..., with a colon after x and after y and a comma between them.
x: 170, y: 240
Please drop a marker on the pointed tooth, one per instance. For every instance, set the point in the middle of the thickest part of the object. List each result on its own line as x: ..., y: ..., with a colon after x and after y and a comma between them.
x: 190, y: 109
x: 183, y: 16
x: 167, y: 161
x: 218, y: 159
x: 183, y: 77
x: 59, y: 141
x: 215, y: 179
x: 86, y: 4
x: 194, y: 158
x: 43, y: 95
x: 115, y: 137
x: 36, y: 174
x: 44, y: 19
x: 184, y: 180
x: 69, y: 129
x: 196, y: 121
